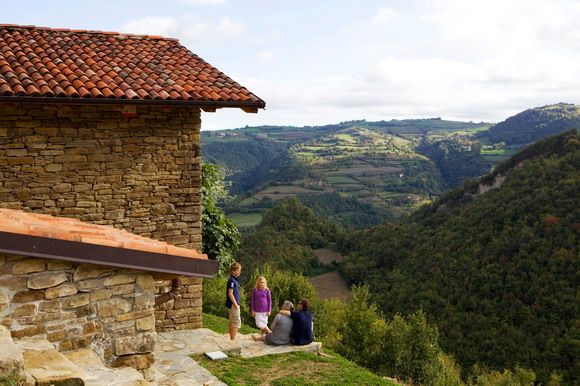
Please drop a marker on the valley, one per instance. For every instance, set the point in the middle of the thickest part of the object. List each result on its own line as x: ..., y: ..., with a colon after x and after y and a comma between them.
x: 483, y: 261
x: 379, y: 166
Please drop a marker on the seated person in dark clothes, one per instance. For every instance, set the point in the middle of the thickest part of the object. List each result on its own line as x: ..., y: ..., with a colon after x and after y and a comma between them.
x: 281, y: 327
x: 303, y: 323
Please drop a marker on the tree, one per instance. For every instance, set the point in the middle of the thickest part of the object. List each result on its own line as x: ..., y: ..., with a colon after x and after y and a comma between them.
x: 220, y: 236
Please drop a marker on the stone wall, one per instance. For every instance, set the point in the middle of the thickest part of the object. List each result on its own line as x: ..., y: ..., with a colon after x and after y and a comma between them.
x: 136, y: 168
x: 110, y: 310
x: 181, y: 313
x: 141, y: 174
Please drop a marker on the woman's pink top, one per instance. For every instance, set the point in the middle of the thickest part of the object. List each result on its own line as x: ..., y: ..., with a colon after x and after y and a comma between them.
x: 261, y: 300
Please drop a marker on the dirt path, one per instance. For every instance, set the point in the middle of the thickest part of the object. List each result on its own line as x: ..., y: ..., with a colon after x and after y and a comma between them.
x: 327, y: 256
x: 331, y: 285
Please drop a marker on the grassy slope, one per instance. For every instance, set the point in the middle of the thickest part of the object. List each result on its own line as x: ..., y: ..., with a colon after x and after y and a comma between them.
x: 298, y: 368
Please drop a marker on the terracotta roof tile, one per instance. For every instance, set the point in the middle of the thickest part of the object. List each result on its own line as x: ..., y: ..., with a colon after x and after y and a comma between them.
x: 56, y: 63
x: 62, y: 228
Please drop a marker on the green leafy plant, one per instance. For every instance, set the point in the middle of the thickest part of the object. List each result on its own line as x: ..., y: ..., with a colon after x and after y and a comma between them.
x: 220, y: 235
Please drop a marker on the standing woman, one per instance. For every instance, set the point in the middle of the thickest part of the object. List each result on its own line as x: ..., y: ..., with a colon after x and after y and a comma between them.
x: 261, y: 304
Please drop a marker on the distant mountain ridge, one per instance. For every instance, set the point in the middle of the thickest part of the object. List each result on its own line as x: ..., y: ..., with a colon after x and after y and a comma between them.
x: 534, y: 124
x: 390, y: 167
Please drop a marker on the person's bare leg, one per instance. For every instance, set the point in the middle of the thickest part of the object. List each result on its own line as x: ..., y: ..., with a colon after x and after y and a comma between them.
x: 233, y: 331
x: 257, y: 337
x: 265, y: 330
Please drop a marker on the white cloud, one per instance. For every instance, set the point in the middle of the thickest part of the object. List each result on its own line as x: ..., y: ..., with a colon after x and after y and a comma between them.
x: 514, y: 26
x: 227, y: 27
x: 189, y: 29
x: 266, y: 56
x: 451, y: 58
x: 204, y: 2
x: 384, y: 14
x: 151, y: 25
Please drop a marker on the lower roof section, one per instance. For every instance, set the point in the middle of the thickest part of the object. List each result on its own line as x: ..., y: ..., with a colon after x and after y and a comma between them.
x: 104, y: 255
x: 40, y: 235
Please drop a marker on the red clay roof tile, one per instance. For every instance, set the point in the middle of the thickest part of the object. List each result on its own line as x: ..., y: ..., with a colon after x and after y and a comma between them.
x: 71, y: 58
x: 62, y: 228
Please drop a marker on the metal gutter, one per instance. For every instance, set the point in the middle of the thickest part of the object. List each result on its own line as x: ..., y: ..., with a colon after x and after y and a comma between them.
x: 116, y: 101
x: 50, y: 248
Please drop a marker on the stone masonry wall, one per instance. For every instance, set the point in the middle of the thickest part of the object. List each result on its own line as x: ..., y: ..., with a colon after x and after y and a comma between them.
x: 184, y: 312
x: 110, y: 310
x: 139, y: 171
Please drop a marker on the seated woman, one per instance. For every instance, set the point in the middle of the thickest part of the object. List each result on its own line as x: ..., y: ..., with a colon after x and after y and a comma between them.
x: 303, y: 323
x: 281, y: 327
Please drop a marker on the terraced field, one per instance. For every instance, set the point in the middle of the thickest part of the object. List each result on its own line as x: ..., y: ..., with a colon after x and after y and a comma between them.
x: 372, y: 166
x: 377, y: 163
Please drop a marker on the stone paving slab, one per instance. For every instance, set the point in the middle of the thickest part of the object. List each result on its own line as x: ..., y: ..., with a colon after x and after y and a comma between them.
x: 11, y: 359
x: 203, y: 340
x: 173, y: 365
x: 51, y: 367
x: 97, y: 374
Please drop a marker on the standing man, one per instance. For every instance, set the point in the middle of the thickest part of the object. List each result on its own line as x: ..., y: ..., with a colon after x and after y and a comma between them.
x: 233, y: 299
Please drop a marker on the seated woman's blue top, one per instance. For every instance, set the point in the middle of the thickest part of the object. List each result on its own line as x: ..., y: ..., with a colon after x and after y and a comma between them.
x: 302, y: 327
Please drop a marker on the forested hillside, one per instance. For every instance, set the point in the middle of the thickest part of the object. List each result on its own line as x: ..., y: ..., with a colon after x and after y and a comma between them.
x: 534, y: 124
x: 494, y: 264
x: 285, y: 239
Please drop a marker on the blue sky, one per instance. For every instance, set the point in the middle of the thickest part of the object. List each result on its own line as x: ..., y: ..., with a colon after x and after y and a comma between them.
x: 319, y: 62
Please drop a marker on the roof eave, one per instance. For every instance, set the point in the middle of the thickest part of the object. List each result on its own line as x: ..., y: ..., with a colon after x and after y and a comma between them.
x: 251, y: 106
x: 51, y: 248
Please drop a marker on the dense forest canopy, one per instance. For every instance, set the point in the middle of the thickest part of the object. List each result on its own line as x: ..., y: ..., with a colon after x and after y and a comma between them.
x: 497, y: 270
x: 285, y: 239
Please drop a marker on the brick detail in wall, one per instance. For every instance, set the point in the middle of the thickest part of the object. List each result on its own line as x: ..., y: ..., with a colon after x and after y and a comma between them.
x: 91, y: 162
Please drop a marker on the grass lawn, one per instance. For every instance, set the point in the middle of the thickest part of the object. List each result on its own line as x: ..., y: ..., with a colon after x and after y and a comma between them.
x: 220, y: 325
x: 298, y: 368
x: 497, y: 155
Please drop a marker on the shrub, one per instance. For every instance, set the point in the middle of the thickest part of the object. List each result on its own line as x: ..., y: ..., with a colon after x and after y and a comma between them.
x: 520, y: 377
x: 214, y: 292
x: 363, y: 330
x: 449, y: 373
x: 329, y: 316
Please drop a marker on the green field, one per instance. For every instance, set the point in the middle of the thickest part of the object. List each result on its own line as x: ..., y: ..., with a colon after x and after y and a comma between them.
x: 338, y: 179
x: 244, y: 220
x: 497, y: 155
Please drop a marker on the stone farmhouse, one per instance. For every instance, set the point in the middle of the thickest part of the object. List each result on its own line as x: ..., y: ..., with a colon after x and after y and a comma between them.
x: 100, y: 187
